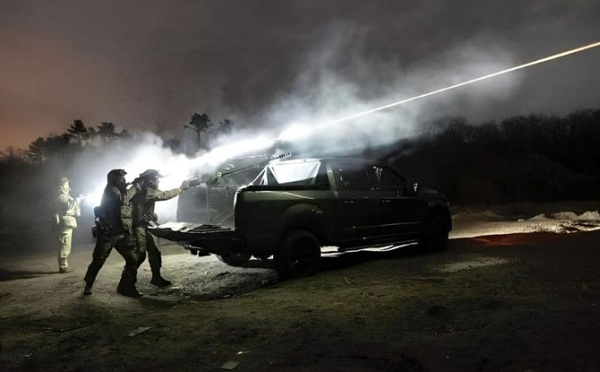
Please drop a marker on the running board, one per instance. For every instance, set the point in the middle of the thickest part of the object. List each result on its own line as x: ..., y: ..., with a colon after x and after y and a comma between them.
x: 382, y: 248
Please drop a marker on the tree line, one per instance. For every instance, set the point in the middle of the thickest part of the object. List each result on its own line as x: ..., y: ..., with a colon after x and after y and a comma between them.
x: 528, y: 157
x: 78, y: 137
x: 521, y: 158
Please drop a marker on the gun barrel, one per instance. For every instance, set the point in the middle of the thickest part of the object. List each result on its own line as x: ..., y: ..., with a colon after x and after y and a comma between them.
x: 195, y: 181
x: 261, y: 164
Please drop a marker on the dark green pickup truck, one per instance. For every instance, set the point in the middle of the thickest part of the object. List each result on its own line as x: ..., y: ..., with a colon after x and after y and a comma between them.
x: 296, y: 208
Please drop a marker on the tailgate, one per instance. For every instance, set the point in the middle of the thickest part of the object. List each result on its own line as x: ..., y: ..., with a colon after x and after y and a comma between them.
x: 213, y: 238
x: 187, y: 232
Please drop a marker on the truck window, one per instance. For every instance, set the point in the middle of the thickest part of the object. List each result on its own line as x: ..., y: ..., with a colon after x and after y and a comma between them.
x: 322, y: 181
x: 385, y: 178
x: 353, y: 176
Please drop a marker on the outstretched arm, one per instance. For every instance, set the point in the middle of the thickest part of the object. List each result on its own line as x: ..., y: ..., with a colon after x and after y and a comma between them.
x: 159, y: 195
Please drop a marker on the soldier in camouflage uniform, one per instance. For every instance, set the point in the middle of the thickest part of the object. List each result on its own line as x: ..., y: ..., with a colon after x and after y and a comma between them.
x: 67, y: 208
x: 143, y: 213
x: 115, y: 230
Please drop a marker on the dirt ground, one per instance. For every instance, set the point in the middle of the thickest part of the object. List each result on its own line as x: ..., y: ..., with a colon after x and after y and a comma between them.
x: 518, y: 293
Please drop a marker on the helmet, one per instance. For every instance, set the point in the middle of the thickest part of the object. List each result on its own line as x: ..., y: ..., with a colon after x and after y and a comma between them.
x: 116, y: 177
x: 150, y: 173
x: 150, y: 177
x: 63, y: 185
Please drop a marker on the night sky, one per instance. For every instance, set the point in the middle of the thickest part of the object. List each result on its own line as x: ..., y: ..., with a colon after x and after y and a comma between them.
x: 149, y: 65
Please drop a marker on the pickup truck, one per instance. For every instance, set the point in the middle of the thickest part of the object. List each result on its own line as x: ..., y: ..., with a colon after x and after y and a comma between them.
x: 294, y: 209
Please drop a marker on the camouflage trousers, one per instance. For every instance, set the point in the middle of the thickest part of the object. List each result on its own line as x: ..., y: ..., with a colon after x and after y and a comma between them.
x: 65, y: 237
x: 126, y: 246
x: 147, y: 246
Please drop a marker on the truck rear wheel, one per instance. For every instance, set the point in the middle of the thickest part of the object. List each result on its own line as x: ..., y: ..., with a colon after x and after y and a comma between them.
x: 299, y: 255
x: 435, y: 233
x: 234, y: 259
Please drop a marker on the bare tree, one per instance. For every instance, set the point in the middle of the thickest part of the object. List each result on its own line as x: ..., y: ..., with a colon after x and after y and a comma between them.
x: 200, y: 124
x: 57, y: 145
x: 12, y: 156
x: 225, y: 126
x: 37, y: 150
x: 79, y: 132
x: 107, y: 132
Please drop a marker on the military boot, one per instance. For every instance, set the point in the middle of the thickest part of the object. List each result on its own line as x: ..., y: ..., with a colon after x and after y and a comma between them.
x: 128, y: 290
x: 88, y: 289
x: 159, y: 281
x: 63, y: 266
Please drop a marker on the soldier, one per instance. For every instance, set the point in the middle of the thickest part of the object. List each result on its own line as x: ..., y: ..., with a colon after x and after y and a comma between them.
x: 67, y: 210
x: 143, y: 213
x: 114, y: 229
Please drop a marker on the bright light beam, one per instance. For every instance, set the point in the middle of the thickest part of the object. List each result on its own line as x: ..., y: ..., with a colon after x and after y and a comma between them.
x: 296, y: 132
x: 525, y: 65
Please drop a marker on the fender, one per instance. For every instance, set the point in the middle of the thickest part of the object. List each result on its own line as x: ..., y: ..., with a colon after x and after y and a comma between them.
x: 305, y: 216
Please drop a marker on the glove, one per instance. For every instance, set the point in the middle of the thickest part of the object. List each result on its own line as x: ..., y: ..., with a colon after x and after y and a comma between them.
x: 79, y: 198
x: 185, y: 185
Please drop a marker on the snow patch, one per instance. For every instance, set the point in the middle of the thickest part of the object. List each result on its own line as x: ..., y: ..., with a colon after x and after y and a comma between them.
x: 586, y: 216
x: 470, y: 223
x: 539, y: 217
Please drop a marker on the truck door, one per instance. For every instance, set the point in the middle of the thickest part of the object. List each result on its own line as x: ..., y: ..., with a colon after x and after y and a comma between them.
x: 401, y: 212
x: 355, y: 209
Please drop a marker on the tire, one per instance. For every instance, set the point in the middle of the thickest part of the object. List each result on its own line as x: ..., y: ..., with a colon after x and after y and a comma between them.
x: 435, y: 233
x: 234, y: 259
x: 299, y: 255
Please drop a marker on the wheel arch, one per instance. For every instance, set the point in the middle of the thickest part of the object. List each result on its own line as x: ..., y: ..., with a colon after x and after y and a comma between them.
x: 442, y: 210
x: 303, y: 216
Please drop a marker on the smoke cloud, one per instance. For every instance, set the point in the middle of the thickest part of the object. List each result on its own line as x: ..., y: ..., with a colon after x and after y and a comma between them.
x: 337, y: 79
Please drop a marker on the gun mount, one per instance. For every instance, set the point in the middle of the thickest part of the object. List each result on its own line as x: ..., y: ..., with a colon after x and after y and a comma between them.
x: 210, y: 200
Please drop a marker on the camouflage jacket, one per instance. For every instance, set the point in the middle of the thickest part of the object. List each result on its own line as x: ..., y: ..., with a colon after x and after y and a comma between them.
x: 116, y: 208
x: 66, y: 204
x: 144, y: 201
x: 67, y: 208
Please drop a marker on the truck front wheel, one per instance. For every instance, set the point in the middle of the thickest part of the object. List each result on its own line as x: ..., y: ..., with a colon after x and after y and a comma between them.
x: 234, y: 259
x: 299, y: 255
